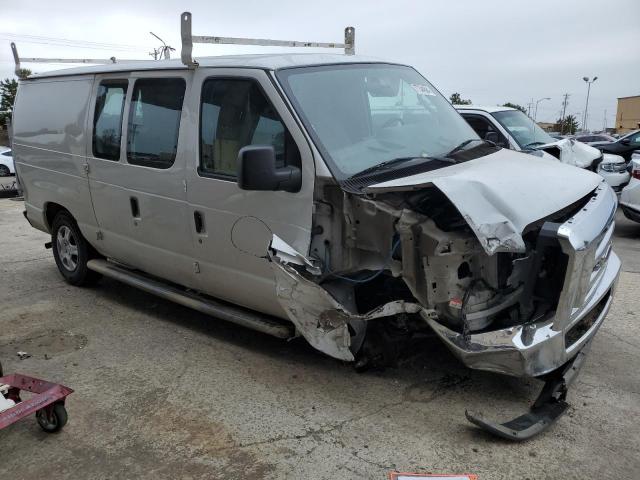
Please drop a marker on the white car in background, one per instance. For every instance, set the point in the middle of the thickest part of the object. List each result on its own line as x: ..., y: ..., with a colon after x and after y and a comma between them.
x: 6, y: 162
x: 510, y: 128
x: 590, y: 138
x: 630, y: 197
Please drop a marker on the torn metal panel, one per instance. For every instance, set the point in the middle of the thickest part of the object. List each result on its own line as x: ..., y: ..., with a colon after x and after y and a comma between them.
x: 572, y: 152
x: 500, y: 194
x: 321, y: 319
x: 318, y: 317
x: 287, y: 254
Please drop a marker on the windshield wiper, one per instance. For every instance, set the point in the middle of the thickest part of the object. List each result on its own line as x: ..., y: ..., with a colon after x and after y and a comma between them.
x: 463, y: 144
x: 390, y: 163
x: 532, y: 144
x: 382, y: 166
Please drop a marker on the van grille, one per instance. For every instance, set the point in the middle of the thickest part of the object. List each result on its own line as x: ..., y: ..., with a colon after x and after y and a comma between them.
x: 576, y: 332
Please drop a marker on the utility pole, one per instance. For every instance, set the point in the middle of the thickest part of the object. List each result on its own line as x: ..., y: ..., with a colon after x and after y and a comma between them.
x: 586, y: 106
x: 604, y: 122
x: 530, y: 107
x: 565, y: 103
x: 163, y: 52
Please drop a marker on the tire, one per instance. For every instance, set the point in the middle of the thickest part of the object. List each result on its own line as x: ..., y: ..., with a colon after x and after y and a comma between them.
x: 71, y: 251
x: 4, y: 171
x: 55, y: 421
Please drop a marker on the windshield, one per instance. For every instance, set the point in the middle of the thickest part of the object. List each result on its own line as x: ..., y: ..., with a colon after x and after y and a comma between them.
x: 630, y: 134
x: 362, y: 115
x: 523, y: 129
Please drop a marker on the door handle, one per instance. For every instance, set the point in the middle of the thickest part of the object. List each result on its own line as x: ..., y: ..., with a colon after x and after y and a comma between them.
x: 135, y: 207
x: 198, y: 220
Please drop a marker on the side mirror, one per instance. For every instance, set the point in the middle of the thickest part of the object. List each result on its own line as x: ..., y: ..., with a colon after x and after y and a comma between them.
x: 257, y: 171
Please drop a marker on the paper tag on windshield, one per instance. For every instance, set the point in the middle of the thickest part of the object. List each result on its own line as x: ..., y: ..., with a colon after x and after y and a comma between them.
x: 422, y: 89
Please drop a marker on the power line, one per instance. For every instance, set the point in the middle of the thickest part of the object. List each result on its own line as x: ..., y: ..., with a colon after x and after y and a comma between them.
x: 65, y: 42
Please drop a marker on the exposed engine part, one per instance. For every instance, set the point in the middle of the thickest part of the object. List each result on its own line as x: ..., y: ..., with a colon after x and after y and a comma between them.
x: 420, y: 240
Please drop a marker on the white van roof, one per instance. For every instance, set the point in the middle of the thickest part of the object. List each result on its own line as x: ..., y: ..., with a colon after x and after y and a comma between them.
x: 483, y: 108
x: 261, y: 61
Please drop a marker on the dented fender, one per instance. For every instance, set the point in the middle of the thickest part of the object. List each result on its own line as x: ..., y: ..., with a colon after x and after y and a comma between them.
x: 321, y: 319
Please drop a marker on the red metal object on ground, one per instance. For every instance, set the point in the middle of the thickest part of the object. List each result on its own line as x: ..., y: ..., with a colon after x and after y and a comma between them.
x: 47, y: 402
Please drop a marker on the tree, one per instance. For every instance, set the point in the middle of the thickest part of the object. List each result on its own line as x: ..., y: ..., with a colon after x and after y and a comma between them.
x: 8, y: 90
x: 516, y: 106
x: 456, y: 100
x: 569, y: 125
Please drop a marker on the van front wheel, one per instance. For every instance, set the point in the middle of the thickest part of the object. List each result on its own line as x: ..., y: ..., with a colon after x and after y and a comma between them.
x: 71, y: 251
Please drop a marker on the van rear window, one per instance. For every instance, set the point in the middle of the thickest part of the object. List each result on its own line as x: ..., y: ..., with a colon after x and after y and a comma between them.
x: 107, y: 119
x: 154, y: 121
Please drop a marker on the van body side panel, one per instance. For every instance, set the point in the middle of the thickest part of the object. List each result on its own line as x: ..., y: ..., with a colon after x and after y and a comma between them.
x: 142, y: 211
x: 238, y: 224
x: 49, y: 148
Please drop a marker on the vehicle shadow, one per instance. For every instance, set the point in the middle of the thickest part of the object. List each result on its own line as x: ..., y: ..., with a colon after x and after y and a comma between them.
x: 425, y: 372
x: 626, y: 228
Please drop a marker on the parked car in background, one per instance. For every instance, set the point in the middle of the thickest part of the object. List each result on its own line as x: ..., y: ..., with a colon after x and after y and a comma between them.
x: 6, y: 162
x: 557, y: 136
x: 510, y: 128
x: 591, y: 138
x: 624, y: 146
x: 630, y: 197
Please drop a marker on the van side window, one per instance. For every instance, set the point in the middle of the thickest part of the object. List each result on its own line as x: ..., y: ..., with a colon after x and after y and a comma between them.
x: 234, y: 114
x: 154, y: 121
x: 482, y: 126
x: 107, y: 119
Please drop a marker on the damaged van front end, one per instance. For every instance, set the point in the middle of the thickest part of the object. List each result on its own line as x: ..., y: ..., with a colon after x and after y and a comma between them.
x: 508, y: 262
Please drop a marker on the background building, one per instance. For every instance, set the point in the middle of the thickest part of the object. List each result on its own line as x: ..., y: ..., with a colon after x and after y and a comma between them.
x: 547, y: 126
x: 628, y: 114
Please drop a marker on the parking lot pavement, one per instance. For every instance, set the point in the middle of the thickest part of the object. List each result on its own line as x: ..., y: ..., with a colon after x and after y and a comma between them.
x: 626, y: 243
x: 162, y: 391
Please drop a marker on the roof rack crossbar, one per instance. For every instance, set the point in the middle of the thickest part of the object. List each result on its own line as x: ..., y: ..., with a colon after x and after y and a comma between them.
x: 188, y: 39
x: 18, y: 60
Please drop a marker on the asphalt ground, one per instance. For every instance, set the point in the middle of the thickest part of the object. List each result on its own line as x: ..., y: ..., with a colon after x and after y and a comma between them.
x: 165, y: 392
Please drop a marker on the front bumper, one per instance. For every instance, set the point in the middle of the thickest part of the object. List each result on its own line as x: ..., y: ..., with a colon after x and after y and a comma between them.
x: 616, y: 180
x: 538, y: 348
x: 631, y: 214
x: 630, y: 200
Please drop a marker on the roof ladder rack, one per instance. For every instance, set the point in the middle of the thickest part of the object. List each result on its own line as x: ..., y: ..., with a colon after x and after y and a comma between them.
x: 17, y: 59
x: 188, y: 40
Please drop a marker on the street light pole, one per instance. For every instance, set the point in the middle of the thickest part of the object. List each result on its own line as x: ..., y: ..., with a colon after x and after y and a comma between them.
x: 535, y: 115
x: 586, y: 106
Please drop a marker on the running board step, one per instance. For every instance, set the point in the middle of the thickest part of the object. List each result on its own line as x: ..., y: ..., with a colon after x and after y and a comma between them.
x: 215, y: 308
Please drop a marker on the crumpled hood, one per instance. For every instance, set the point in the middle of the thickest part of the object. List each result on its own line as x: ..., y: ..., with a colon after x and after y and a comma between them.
x: 572, y: 152
x: 500, y: 194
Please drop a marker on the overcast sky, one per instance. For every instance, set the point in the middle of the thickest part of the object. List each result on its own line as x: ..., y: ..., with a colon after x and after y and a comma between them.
x: 490, y: 51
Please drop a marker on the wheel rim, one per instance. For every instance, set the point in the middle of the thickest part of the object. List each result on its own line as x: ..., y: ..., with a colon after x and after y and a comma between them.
x: 67, y: 248
x: 48, y: 422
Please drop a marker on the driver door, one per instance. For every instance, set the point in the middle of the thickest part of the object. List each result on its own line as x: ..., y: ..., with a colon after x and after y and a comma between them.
x: 232, y: 228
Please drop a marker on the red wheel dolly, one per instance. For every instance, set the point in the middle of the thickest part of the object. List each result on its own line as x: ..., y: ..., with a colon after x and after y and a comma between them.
x: 47, y: 402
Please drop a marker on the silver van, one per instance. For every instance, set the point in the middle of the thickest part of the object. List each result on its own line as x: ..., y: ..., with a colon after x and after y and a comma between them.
x: 334, y: 197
